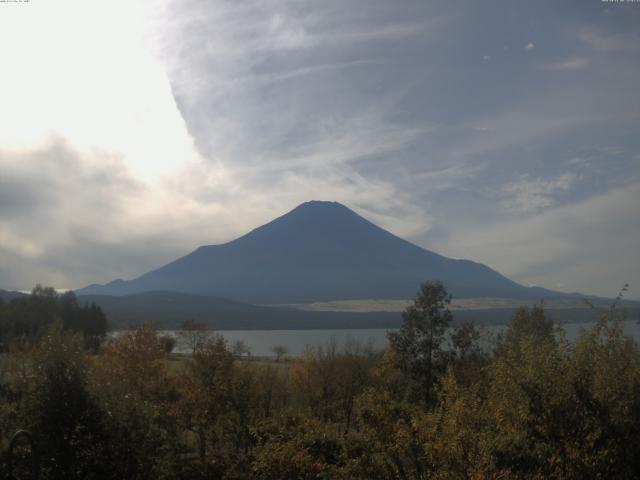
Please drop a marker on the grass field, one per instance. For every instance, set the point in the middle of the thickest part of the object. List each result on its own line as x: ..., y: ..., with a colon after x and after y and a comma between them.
x: 177, y: 363
x: 389, y: 305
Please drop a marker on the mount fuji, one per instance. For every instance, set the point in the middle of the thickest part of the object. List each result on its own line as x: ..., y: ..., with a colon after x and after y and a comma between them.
x: 320, y: 251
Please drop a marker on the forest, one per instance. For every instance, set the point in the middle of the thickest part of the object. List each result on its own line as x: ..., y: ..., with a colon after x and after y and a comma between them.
x: 443, y: 400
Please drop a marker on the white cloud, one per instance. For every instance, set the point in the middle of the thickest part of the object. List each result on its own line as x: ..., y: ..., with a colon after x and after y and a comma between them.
x: 589, y: 246
x: 83, y: 71
x: 574, y: 63
x: 529, y: 46
x: 534, y: 194
x: 69, y: 219
x: 601, y: 40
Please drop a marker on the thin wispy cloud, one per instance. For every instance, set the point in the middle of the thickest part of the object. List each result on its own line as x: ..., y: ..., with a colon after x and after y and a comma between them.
x: 574, y: 63
x: 591, y: 239
x: 601, y: 40
x: 534, y: 194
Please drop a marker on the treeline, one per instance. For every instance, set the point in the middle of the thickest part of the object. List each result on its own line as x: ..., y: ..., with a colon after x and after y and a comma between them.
x: 27, y: 318
x: 432, y: 405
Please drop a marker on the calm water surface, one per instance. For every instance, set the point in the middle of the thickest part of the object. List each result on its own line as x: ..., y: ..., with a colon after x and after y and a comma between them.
x: 262, y: 342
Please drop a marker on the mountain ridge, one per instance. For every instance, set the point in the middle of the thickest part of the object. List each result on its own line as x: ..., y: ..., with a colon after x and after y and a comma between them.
x: 319, y: 251
x: 8, y: 295
x: 168, y: 309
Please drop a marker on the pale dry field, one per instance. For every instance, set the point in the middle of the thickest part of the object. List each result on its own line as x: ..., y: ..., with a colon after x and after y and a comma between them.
x: 388, y: 305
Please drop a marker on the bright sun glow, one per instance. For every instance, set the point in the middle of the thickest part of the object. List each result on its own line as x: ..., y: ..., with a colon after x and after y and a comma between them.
x: 84, y: 71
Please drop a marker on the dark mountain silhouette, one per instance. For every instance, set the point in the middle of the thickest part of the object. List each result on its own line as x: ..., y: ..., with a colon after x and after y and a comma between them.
x: 319, y: 251
x: 7, y: 295
x: 169, y: 309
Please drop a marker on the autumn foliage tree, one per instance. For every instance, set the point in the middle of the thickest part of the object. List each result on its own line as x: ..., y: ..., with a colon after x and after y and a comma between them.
x: 437, y: 403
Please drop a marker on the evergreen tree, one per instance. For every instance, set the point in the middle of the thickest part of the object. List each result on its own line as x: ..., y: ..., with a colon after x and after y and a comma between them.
x: 418, y: 342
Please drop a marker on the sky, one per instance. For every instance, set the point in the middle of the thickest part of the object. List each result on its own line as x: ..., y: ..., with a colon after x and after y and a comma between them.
x: 503, y: 132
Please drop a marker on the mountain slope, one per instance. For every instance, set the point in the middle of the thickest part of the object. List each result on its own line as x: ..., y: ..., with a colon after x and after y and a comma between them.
x: 7, y: 295
x: 169, y: 309
x: 318, y: 251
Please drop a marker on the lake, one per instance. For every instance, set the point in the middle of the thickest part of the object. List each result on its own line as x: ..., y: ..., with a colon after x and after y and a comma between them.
x: 261, y: 342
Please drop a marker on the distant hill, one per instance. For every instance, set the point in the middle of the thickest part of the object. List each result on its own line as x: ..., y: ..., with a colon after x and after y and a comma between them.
x: 168, y: 309
x: 7, y: 295
x: 319, y: 251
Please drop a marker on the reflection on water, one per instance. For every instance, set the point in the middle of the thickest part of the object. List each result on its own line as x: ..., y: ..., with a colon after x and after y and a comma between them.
x: 262, y: 342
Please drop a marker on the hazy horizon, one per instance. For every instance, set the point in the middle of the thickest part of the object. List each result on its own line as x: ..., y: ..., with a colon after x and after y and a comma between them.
x: 133, y: 132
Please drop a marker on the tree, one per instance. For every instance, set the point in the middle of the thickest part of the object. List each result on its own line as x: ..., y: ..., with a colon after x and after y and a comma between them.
x: 240, y: 347
x: 90, y: 320
x: 61, y: 412
x: 31, y: 316
x: 194, y: 333
x: 419, y: 339
x: 280, y: 351
x: 205, y: 401
x: 167, y: 343
x: 135, y: 391
x: 464, y: 339
x: 526, y: 324
x: 467, y: 359
x: 136, y: 359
